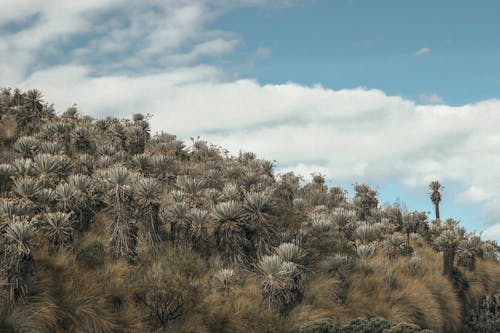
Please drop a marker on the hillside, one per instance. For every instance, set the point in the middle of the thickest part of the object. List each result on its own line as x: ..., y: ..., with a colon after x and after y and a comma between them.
x: 107, y: 228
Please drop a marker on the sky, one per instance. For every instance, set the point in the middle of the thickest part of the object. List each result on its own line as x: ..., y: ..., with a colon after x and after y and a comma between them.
x: 391, y: 93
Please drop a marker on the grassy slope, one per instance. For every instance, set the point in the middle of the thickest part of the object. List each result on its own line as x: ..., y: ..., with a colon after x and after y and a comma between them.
x: 65, y: 295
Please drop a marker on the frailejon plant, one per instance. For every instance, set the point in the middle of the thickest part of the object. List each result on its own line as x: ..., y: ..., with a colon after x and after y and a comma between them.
x: 116, y: 184
x: 258, y: 210
x: 147, y: 193
x: 447, y: 242
x: 281, y: 283
x: 232, y: 232
x: 17, y: 258
x: 435, y: 195
x: 57, y: 228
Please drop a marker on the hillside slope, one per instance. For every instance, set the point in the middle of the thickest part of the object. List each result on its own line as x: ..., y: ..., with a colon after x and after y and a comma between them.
x: 105, y: 228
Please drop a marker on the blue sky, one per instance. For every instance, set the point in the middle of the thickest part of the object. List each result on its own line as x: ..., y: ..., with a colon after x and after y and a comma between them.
x: 392, y: 93
x: 347, y: 44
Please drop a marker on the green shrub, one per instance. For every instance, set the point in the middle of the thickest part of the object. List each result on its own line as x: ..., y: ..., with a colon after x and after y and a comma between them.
x: 459, y: 281
x: 403, y: 328
x: 318, y: 326
x: 379, y: 324
x: 5, y: 182
x: 91, y: 256
x: 485, y: 317
x: 358, y: 325
x: 322, y: 244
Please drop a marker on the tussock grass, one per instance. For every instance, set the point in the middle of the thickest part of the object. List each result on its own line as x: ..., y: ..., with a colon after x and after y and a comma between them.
x: 389, y: 290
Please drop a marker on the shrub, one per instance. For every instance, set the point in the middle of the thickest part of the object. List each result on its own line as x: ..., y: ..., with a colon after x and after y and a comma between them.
x: 486, y: 316
x: 358, y: 325
x: 459, y: 281
x: 321, y: 244
x: 379, y: 324
x: 5, y: 172
x: 91, y: 256
x: 403, y: 328
x: 318, y: 326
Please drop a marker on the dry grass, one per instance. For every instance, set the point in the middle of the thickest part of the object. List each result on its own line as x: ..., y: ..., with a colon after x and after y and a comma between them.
x: 485, y: 280
x: 387, y: 289
x: 35, y: 314
x: 71, y: 298
x: 77, y: 295
x: 99, y: 230
x: 239, y: 311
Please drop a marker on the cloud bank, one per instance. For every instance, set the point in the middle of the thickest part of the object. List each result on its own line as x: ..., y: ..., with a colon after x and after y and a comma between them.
x: 159, y: 61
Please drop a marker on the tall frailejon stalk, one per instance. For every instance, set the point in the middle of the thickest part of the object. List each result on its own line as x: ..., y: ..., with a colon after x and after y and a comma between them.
x: 435, y: 196
x: 447, y: 242
x: 16, y: 257
x: 198, y: 233
x: 117, y: 194
x: 147, y: 193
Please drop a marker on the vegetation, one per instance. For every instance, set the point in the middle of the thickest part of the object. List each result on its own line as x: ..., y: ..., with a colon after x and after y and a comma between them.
x: 107, y: 228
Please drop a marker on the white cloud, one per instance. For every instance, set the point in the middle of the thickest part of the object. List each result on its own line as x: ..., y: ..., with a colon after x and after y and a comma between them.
x: 422, y: 52
x: 431, y: 98
x: 117, y: 35
x: 492, y: 232
x: 473, y: 194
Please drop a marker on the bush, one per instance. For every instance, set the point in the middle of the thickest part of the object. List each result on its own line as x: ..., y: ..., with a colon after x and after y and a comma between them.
x: 485, y: 317
x: 5, y: 182
x: 459, y: 281
x: 358, y: 325
x: 321, y: 244
x: 318, y: 326
x: 91, y: 256
x: 403, y: 328
x: 379, y: 325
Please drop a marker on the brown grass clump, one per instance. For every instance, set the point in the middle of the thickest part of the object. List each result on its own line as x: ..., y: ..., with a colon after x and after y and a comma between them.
x: 76, y: 295
x: 235, y: 308
x: 484, y: 280
x: 36, y: 314
x: 387, y: 289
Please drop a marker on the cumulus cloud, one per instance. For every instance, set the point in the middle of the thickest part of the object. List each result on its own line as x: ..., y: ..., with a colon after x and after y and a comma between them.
x: 422, y: 52
x: 151, y: 62
x: 492, y: 232
x: 431, y: 98
x: 473, y: 194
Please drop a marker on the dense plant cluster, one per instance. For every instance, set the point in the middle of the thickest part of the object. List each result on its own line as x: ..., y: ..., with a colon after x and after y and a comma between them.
x: 358, y: 325
x: 107, y: 228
